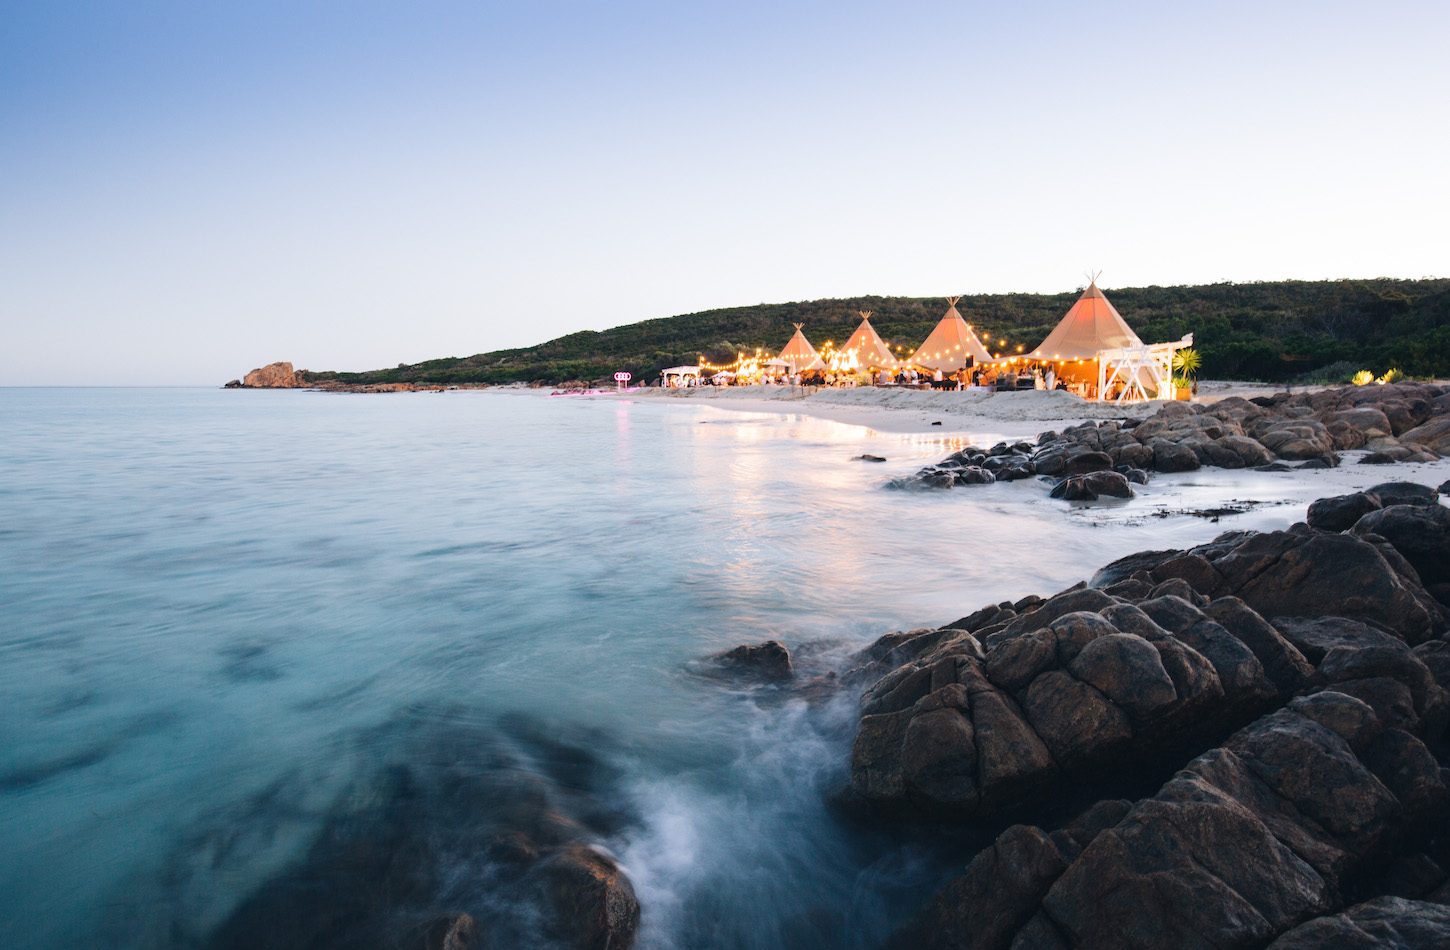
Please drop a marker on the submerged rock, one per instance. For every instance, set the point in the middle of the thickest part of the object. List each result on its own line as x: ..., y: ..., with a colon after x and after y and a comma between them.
x: 769, y: 660
x: 477, y: 839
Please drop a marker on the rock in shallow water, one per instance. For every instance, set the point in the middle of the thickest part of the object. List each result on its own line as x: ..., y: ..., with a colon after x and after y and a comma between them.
x: 769, y: 660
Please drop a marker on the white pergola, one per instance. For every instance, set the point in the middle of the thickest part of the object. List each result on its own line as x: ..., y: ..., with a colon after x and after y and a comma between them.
x: 1146, y: 372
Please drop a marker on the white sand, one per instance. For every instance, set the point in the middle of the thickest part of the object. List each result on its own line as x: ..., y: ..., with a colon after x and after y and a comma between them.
x: 908, y: 410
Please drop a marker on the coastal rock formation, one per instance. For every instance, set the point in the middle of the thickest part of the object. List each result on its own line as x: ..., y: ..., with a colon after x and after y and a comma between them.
x: 273, y: 376
x: 1302, y: 677
x: 1401, y: 422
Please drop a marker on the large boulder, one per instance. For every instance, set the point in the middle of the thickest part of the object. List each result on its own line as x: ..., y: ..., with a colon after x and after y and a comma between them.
x: 1421, y: 533
x: 1340, y: 512
x: 1434, y: 434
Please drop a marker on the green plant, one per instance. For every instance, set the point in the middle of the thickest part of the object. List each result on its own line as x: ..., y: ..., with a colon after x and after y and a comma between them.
x: 1186, y: 363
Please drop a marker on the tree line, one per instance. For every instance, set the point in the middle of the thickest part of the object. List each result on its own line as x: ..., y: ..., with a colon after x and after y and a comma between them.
x: 1305, y: 331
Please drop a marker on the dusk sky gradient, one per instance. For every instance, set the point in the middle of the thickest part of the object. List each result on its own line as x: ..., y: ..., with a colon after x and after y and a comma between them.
x: 190, y: 190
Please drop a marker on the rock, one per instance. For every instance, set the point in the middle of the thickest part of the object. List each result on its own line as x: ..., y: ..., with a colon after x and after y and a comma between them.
x: 1340, y: 512
x: 1093, y: 485
x: 1010, y: 877
x: 274, y: 376
x: 769, y: 660
x: 1282, y: 662
x: 233, y: 384
x: 1171, y: 457
x: 1421, y: 533
x: 1239, y: 847
x: 1434, y: 434
x: 975, y: 475
x: 1385, y: 922
x: 1283, y: 574
x: 1088, y: 462
x: 1075, y: 721
x: 593, y: 902
x: 1128, y: 671
x: 868, y: 458
x: 1250, y: 453
x: 451, y: 932
x: 1296, y: 439
x: 1405, y: 493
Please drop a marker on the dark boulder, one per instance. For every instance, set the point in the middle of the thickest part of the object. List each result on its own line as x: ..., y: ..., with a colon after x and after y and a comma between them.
x: 1420, y: 533
x: 1340, y: 512
x: 1405, y: 493
x: 593, y: 903
x: 1172, y: 457
x: 769, y: 660
x: 1092, y: 486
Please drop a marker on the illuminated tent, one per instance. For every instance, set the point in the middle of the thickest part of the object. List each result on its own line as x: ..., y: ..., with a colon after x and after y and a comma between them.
x: 869, y: 350
x: 952, y: 345
x: 799, y: 355
x: 1092, y: 324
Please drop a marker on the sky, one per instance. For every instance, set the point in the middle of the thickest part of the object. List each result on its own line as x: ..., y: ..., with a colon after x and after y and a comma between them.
x: 189, y: 190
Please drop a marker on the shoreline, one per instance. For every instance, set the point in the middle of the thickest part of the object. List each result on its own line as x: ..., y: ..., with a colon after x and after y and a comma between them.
x: 916, y: 411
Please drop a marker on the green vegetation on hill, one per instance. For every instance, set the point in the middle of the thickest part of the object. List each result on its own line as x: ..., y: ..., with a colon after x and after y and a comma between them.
x: 1291, y: 330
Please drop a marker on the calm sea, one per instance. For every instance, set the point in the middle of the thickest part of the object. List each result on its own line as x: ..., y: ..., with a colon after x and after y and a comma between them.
x: 220, y: 611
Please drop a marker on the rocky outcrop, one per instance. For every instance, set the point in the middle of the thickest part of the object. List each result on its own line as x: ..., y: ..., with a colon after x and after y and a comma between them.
x: 1392, y: 423
x: 1302, y: 677
x: 273, y: 376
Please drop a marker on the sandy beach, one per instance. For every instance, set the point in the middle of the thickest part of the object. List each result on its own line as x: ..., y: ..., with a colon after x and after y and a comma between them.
x: 916, y: 410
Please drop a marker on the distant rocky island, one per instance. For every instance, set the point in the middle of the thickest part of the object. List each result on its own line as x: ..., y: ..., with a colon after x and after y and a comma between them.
x: 283, y: 376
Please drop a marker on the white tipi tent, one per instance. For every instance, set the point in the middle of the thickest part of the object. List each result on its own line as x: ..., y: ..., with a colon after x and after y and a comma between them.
x: 1092, y: 324
x: 800, y: 355
x: 951, y: 344
x: 867, y: 347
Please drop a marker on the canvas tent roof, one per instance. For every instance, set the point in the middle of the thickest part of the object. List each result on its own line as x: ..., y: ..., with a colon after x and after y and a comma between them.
x: 871, y: 351
x: 950, y: 343
x: 799, y: 354
x: 1090, y: 325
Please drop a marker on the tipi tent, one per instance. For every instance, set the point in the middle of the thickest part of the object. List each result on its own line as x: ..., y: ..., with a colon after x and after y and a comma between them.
x: 800, y: 355
x: 952, y: 345
x: 869, y: 350
x: 1092, y: 324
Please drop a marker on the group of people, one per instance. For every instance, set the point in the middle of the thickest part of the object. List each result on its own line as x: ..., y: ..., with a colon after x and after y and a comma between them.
x: 990, y: 376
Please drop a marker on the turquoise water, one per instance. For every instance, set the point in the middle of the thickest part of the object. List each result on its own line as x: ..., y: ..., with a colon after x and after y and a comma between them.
x: 219, y: 609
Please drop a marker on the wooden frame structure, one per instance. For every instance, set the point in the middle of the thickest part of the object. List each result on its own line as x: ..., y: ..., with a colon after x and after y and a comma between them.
x: 1140, y: 369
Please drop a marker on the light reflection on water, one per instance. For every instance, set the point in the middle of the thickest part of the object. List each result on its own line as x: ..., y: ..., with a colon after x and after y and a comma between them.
x: 215, y: 607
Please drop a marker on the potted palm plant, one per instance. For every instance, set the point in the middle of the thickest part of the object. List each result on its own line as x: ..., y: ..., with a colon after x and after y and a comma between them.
x: 1185, y: 373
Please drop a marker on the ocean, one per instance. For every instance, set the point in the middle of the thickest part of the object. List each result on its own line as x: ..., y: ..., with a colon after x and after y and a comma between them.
x: 223, y: 615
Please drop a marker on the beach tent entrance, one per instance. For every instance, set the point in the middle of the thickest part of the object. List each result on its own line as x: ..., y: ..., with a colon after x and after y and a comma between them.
x: 677, y: 376
x: 866, y: 349
x: 799, y: 355
x: 952, y: 345
x: 1133, y: 373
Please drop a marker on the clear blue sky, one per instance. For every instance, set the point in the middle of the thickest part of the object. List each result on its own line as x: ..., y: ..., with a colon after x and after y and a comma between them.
x: 189, y: 190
